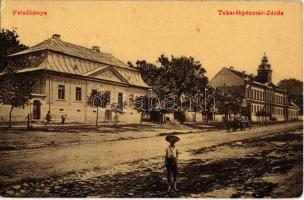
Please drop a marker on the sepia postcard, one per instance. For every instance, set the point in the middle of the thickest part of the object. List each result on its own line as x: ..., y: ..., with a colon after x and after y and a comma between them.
x: 151, y: 99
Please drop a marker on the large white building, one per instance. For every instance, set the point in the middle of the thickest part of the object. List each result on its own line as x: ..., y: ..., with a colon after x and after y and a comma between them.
x: 258, y: 91
x: 66, y: 74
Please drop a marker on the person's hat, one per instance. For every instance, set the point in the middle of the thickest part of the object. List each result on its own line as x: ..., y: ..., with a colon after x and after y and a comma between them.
x: 173, y: 138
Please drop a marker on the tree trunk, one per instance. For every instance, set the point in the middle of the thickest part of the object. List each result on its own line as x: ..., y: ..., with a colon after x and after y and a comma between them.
x: 10, y: 117
x: 97, y: 117
x: 115, y: 120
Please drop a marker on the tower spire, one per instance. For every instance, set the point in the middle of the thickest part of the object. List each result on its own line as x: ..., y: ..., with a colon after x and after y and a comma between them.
x: 264, y: 70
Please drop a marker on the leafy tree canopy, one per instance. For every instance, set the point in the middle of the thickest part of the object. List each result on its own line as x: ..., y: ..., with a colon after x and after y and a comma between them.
x: 9, y: 44
x: 16, y: 90
x: 230, y: 101
x: 173, y: 77
x: 294, y: 88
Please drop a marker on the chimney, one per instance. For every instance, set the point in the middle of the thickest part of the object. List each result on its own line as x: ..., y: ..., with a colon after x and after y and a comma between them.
x: 231, y: 67
x: 244, y: 73
x: 56, y: 36
x: 96, y: 48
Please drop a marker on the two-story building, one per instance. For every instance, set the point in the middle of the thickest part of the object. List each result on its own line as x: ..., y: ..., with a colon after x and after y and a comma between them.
x: 67, y: 74
x: 258, y: 91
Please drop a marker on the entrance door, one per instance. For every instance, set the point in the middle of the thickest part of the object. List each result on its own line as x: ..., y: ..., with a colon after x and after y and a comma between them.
x: 36, y: 109
x: 108, y: 115
x: 156, y: 116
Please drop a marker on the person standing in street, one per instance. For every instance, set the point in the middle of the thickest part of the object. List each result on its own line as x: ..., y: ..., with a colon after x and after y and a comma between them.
x: 63, y: 118
x: 48, y: 118
x: 171, y: 161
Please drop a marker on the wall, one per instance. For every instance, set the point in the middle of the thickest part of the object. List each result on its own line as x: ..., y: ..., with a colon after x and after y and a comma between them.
x: 226, y: 78
x: 75, y: 111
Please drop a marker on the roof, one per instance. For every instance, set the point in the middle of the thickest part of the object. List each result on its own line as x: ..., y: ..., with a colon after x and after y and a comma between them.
x: 293, y: 105
x: 60, y: 46
x: 59, y: 56
x: 252, y: 78
x: 241, y: 74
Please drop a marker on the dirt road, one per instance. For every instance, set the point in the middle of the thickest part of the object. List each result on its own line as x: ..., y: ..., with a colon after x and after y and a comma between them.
x: 211, y: 164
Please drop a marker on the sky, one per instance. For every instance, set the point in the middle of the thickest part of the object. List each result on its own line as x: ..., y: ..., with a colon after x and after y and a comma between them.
x: 132, y: 30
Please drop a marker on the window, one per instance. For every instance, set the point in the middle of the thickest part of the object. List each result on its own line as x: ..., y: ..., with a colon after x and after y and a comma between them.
x: 61, y: 91
x: 94, y: 91
x: 78, y: 94
x: 131, y: 99
x: 108, y: 95
x: 106, y: 98
x: 120, y: 100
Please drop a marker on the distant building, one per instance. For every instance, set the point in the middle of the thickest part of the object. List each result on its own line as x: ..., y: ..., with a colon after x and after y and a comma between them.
x: 259, y: 91
x: 67, y: 74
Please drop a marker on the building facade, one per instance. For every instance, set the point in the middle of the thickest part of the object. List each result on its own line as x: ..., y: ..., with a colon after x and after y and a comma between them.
x: 67, y: 74
x: 260, y: 94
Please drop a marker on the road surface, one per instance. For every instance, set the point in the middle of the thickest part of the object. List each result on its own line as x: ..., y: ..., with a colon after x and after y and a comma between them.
x: 259, y: 162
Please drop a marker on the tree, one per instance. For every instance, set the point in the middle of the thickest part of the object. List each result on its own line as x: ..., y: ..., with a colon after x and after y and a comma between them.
x: 173, y: 77
x: 9, y: 44
x: 99, y: 99
x: 294, y: 88
x: 16, y: 90
x: 230, y: 100
x: 143, y: 104
x: 263, y: 114
x: 116, y: 109
x: 149, y: 71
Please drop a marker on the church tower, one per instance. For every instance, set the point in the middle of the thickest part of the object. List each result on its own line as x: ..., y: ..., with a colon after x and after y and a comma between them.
x: 264, y: 71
